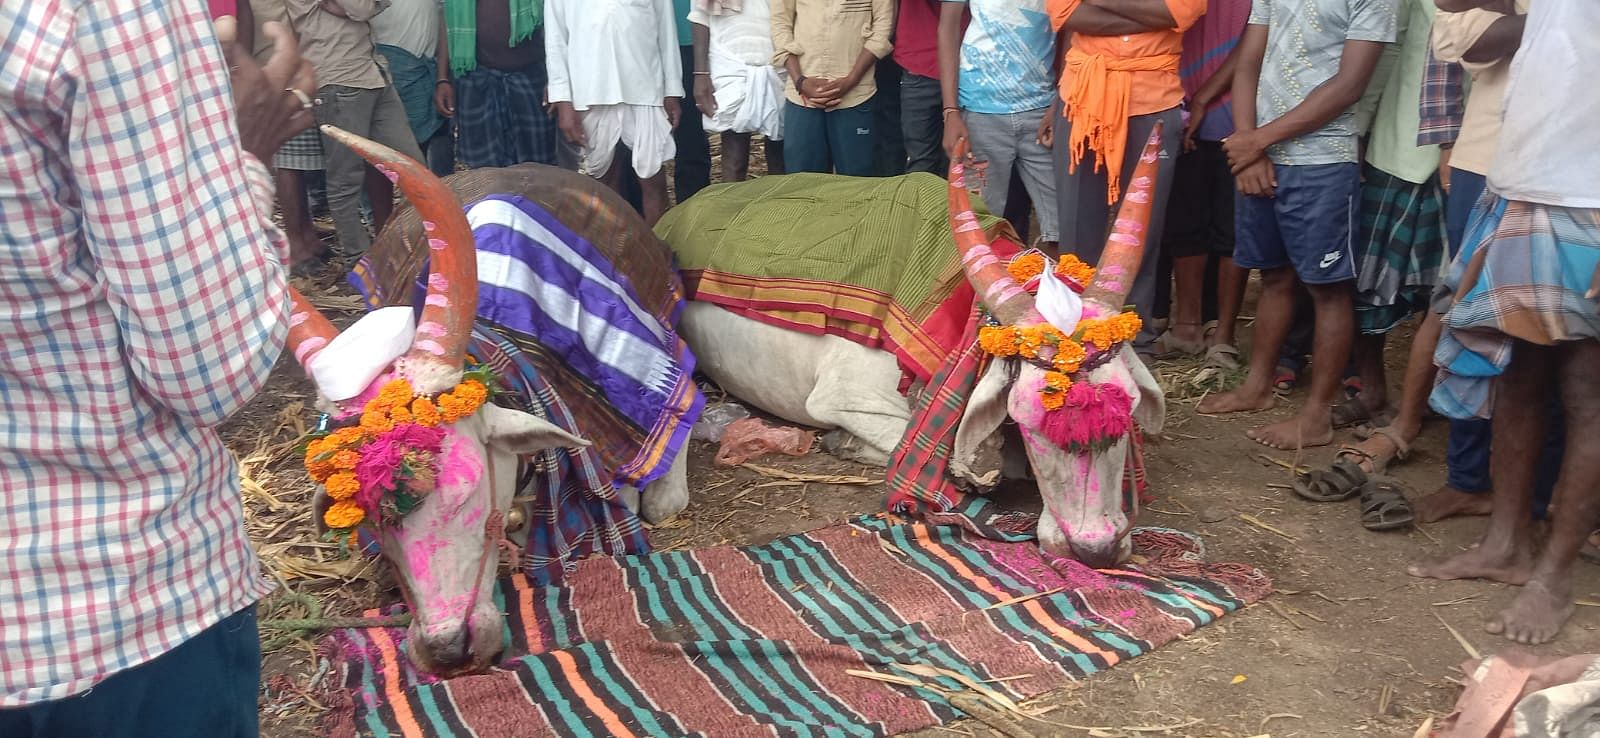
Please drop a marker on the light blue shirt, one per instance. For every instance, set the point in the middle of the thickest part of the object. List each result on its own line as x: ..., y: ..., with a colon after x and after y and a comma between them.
x: 1005, y: 57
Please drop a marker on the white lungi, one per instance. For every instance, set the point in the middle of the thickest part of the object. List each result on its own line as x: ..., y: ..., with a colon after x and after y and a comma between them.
x: 644, y: 129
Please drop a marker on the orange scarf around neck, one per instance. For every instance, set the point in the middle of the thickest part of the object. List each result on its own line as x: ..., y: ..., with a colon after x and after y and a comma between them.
x: 1097, y: 106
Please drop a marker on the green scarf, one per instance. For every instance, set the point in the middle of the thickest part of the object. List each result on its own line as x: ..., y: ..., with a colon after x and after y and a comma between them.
x: 461, y: 28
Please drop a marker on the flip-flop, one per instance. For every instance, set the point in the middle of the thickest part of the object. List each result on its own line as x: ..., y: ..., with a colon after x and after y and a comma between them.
x: 1223, y: 356
x: 1172, y: 347
x: 1384, y: 506
x: 1337, y: 483
x: 1284, y: 379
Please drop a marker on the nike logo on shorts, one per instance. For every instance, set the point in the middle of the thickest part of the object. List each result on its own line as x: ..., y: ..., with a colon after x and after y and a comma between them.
x: 1329, y: 259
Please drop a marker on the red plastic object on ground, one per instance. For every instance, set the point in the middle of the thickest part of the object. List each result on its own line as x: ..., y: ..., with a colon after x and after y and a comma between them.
x: 749, y: 438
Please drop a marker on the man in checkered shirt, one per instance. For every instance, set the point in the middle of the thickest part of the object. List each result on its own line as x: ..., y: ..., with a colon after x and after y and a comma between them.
x: 142, y: 300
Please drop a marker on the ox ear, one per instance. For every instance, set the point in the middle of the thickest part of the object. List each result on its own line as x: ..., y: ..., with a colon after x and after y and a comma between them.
x: 1150, y: 406
x: 520, y: 433
x: 975, y: 458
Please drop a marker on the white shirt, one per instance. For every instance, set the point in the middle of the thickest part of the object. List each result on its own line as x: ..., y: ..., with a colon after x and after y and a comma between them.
x: 1549, y: 149
x: 745, y: 36
x: 412, y: 25
x: 612, y: 52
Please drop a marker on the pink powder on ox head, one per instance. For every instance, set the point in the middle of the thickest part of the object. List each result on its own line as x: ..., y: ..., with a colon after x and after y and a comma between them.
x: 460, y: 467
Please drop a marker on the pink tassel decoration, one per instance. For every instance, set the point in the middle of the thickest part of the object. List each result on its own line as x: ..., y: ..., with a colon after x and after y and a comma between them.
x: 1094, y: 415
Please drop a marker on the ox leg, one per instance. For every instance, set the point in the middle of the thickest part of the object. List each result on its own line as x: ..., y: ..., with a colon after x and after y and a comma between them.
x: 666, y: 496
x: 875, y: 420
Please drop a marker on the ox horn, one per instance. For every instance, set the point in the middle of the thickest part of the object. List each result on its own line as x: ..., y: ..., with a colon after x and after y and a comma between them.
x: 1119, y: 263
x: 309, y: 329
x: 434, y: 363
x: 1005, y: 298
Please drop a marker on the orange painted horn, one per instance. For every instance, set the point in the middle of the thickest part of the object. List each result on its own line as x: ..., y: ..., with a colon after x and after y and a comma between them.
x: 434, y: 363
x: 1007, y: 300
x: 1119, y: 263
x: 309, y: 329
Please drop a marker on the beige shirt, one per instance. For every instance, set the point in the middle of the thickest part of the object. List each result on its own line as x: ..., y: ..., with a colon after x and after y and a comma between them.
x: 340, y: 49
x: 1453, y: 35
x: 828, y: 36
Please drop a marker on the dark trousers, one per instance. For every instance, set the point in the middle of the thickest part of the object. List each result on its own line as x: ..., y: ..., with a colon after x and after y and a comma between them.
x: 1086, y: 217
x: 838, y: 140
x: 204, y: 688
x: 440, y: 152
x: 922, y: 124
x: 888, y: 149
x: 692, y: 167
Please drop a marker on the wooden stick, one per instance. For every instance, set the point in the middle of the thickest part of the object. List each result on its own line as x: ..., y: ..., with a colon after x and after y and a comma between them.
x: 1471, y: 651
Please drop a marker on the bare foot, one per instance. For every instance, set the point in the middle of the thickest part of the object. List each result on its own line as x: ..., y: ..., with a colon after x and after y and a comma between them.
x: 1512, y: 566
x: 1237, y: 401
x: 1535, y: 616
x: 1300, y: 431
x: 1450, y: 502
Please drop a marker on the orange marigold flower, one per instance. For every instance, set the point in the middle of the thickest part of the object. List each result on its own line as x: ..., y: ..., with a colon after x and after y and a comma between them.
x: 462, y: 401
x: 1026, y: 266
x: 424, y: 412
x: 376, y: 423
x: 1069, y: 356
x: 1073, y: 268
x: 999, y: 341
x: 346, y: 437
x: 343, y: 514
x: 1054, y: 394
x: 345, y: 460
x: 399, y: 415
x: 342, y: 486
x: 395, y: 393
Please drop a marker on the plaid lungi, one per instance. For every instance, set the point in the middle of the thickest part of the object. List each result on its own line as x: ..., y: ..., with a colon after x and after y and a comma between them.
x: 1521, y: 275
x: 302, y: 153
x: 501, y: 120
x: 1400, y: 251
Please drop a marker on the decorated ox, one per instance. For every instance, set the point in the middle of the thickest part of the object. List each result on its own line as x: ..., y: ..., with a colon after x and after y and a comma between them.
x: 1062, y: 368
x: 416, y: 452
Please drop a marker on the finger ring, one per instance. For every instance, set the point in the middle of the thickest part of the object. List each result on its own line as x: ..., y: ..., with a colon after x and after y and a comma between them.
x: 305, y: 100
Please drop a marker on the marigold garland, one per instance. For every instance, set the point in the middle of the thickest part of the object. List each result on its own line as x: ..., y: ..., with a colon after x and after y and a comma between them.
x: 1054, y: 393
x: 1030, y: 264
x: 1062, y: 356
x: 387, y: 462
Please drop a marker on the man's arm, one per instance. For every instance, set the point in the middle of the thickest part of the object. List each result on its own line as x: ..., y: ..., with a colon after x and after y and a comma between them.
x: 1091, y: 20
x: 1250, y: 52
x: 784, y: 47
x: 1152, y: 14
x: 1500, y: 40
x: 1326, y: 102
x: 247, y: 25
x: 949, y: 34
x: 177, y: 217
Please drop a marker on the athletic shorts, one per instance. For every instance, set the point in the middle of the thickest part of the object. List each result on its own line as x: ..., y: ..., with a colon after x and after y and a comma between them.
x: 1200, y: 209
x: 1309, y: 224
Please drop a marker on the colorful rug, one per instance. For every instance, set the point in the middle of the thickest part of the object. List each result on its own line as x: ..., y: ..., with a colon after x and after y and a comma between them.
x: 757, y: 641
x: 868, y: 259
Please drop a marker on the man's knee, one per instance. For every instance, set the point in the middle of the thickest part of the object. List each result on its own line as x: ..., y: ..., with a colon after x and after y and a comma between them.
x: 1280, y: 279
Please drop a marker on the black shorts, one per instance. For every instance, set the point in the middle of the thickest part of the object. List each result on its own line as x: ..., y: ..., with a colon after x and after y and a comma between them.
x: 1200, y: 210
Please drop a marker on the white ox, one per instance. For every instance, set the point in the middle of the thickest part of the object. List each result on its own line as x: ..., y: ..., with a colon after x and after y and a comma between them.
x: 832, y: 383
x: 445, y: 551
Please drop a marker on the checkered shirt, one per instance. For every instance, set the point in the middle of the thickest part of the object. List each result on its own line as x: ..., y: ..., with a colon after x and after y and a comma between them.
x: 142, y: 300
x: 1442, y: 104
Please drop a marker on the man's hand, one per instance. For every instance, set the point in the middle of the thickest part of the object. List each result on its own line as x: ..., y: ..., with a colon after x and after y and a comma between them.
x: 1197, y: 115
x: 955, y: 131
x: 1259, y: 179
x: 444, y: 98
x: 570, y: 121
x: 674, y: 112
x: 821, y: 91
x: 268, y: 108
x: 705, y: 96
x: 1047, y: 128
x: 1444, y: 168
x: 1244, y: 148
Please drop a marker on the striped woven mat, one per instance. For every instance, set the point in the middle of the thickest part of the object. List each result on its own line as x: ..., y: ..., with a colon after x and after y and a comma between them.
x: 760, y: 640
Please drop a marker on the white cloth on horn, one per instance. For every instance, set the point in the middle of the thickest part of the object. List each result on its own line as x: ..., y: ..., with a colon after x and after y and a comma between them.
x: 349, y: 363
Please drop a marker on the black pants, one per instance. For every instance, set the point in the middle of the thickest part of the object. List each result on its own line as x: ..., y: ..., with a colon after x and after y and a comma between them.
x: 692, y: 167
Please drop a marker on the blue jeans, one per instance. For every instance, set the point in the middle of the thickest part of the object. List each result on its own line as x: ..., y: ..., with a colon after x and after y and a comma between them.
x: 204, y: 688
x: 838, y: 140
x: 922, y: 124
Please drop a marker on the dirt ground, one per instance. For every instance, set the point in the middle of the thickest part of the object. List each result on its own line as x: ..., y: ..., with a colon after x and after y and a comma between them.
x: 1350, y: 645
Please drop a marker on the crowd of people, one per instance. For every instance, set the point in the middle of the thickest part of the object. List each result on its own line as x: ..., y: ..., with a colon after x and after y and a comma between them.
x: 1381, y: 163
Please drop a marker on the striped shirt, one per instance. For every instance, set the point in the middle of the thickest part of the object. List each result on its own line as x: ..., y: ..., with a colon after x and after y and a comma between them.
x: 142, y: 300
